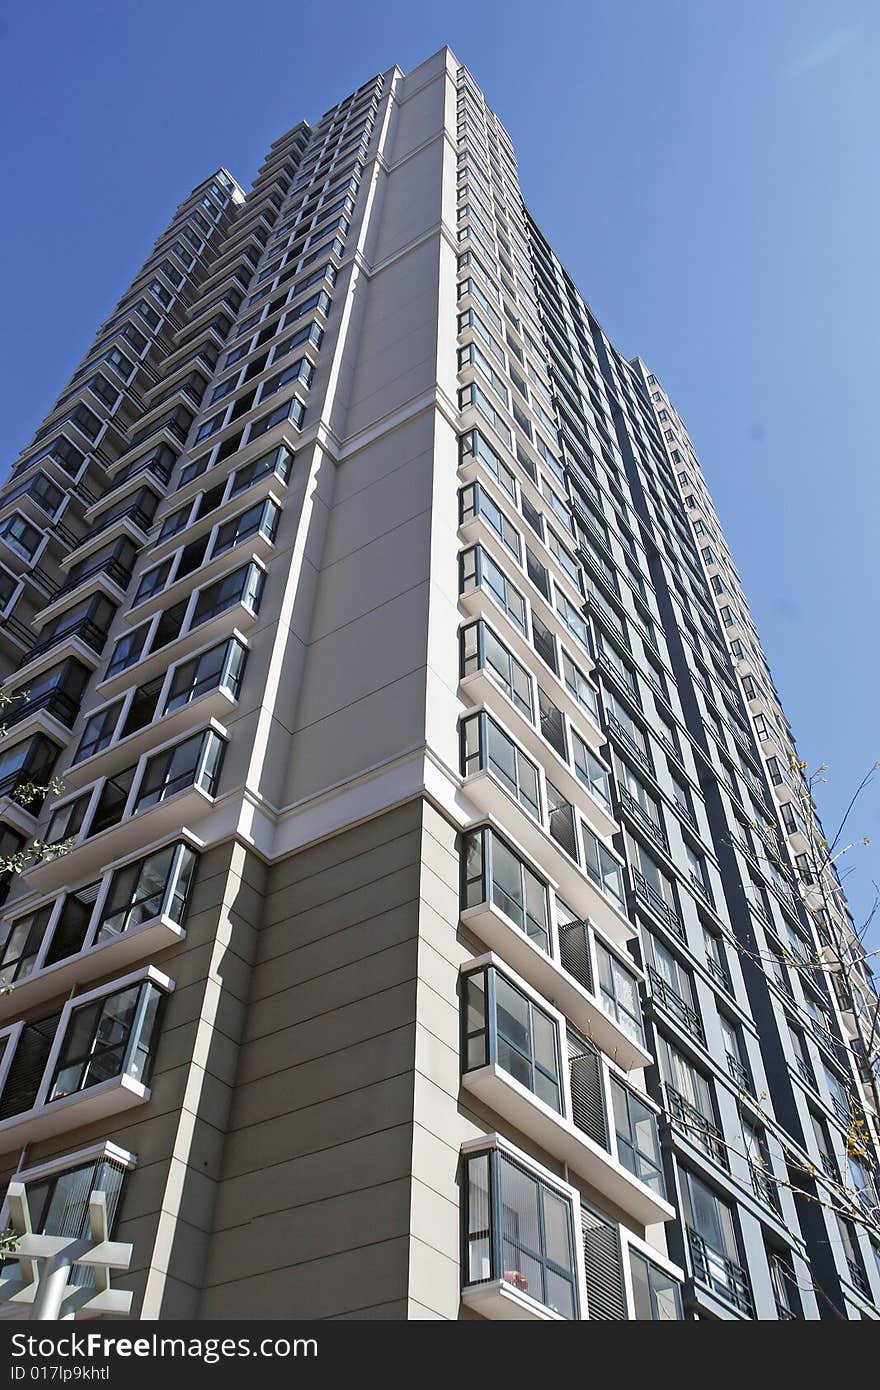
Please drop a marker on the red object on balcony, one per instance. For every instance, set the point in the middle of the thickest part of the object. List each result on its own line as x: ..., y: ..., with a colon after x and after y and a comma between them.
x: 519, y: 1281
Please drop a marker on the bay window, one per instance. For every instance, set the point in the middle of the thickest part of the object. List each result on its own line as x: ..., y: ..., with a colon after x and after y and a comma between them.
x: 504, y: 1027
x: 157, y: 886
x: 486, y: 746
x: 244, y: 585
x: 219, y: 668
x: 194, y: 763
x: 481, y: 649
x: 111, y: 1036
x: 519, y: 1228
x: 493, y: 873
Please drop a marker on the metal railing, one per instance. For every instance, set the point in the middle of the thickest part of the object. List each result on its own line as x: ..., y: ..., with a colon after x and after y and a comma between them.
x: 657, y: 903
x: 764, y: 1186
x: 93, y: 636
x: 739, y: 1073
x: 54, y: 702
x: 669, y: 999
x: 702, y: 889
x: 112, y: 568
x: 718, y: 973
x: 695, y: 1126
x: 629, y: 803
x: 617, y: 729
x: 17, y: 630
x: 719, y: 1273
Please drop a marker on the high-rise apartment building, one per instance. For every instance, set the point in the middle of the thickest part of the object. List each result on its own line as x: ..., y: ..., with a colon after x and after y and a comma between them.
x: 420, y: 946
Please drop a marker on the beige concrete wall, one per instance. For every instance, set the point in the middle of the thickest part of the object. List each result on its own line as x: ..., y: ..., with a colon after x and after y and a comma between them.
x: 312, y: 1218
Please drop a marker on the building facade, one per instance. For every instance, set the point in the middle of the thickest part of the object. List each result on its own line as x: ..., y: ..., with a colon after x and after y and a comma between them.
x: 392, y: 936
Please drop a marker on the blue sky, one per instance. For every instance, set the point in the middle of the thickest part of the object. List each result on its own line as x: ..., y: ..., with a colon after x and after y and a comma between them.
x: 707, y: 171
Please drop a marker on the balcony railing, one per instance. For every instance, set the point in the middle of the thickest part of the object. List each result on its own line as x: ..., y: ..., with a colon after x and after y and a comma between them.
x: 635, y: 808
x: 856, y: 1273
x: 646, y: 893
x: 739, y: 1073
x: 805, y: 1072
x: 719, y: 1273
x: 89, y: 632
x: 702, y: 889
x: 718, y: 973
x: 17, y: 630
x: 673, y: 1003
x: 764, y: 1186
x: 112, y: 568
x: 55, y: 702
x: 696, y: 1127
x: 143, y: 520
x: 617, y: 729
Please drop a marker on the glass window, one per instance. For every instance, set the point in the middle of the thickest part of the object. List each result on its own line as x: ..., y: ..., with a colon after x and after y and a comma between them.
x: 21, y: 944
x: 262, y: 518
x: 474, y: 501
x: 656, y: 1296
x: 279, y: 462
x: 243, y: 585
x: 195, y: 762
x: 521, y: 1230
x: 59, y: 1203
x: 589, y: 770
x: 620, y: 993
x: 98, y: 731
x: 483, y: 650
x: 638, y: 1145
x: 505, y: 1026
x: 21, y: 536
x: 153, y: 887
x: 602, y: 866
x: 222, y: 667
x: 479, y: 570
x: 494, y: 873
x: 114, y: 1035
x: 485, y: 745
x: 713, y: 1243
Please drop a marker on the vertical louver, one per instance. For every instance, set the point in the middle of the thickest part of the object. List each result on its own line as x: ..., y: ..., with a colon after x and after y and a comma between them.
x: 603, y: 1269
x: 587, y: 1107
x: 574, y: 953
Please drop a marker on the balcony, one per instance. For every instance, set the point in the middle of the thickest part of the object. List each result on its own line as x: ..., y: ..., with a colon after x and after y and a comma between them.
x: 57, y: 1075
x: 568, y: 1137
x: 17, y: 632
x: 718, y: 1273
x: 697, y: 1129
x: 85, y: 631
x: 118, y: 574
x: 581, y: 892
x: 625, y: 737
x: 671, y: 1001
x: 635, y: 809
x: 56, y: 703
x: 647, y: 894
x: 739, y: 1074
x: 512, y: 1270
x: 83, y: 937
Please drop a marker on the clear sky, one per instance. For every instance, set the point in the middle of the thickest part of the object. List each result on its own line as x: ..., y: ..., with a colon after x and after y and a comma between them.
x: 707, y: 170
